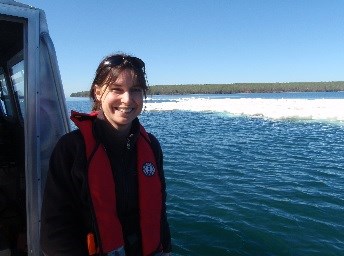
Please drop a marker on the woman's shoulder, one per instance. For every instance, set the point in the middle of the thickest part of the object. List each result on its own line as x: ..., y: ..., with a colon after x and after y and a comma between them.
x: 70, y: 141
x: 155, y: 144
x: 69, y: 150
x: 153, y: 139
x: 72, y: 136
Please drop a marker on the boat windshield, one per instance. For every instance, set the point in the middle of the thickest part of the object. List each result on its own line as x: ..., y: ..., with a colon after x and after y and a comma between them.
x: 17, y: 78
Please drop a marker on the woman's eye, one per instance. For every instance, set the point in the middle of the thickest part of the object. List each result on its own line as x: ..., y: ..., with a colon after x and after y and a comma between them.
x: 117, y: 90
x: 120, y: 90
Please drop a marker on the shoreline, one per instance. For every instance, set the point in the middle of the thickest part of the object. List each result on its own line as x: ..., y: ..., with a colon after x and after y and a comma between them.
x: 334, y: 86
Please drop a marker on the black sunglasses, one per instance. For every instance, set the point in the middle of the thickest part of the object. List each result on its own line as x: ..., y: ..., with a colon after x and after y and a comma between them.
x: 118, y: 60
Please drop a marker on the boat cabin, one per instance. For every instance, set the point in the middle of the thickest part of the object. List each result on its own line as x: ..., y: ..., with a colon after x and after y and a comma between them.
x: 33, y: 117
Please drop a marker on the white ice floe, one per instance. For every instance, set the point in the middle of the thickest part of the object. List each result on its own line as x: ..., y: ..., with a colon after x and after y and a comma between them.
x: 312, y: 109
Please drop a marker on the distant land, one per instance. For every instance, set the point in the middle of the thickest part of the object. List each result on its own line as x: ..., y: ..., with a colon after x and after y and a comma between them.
x: 238, y: 88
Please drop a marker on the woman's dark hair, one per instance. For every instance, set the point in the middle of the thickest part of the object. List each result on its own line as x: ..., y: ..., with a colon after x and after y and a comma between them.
x: 110, y: 68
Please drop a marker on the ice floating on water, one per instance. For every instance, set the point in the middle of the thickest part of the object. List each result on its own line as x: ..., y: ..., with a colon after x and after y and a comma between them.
x: 312, y: 109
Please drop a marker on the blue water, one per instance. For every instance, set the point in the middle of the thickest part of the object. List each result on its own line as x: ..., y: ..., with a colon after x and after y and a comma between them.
x: 240, y: 185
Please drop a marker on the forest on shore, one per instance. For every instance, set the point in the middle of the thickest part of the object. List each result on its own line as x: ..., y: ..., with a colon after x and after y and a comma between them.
x: 238, y: 88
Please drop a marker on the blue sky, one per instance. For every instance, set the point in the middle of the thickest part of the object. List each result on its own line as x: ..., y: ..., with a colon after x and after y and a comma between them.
x: 200, y: 41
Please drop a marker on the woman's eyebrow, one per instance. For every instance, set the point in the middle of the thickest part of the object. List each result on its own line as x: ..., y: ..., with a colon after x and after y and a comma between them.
x: 115, y: 84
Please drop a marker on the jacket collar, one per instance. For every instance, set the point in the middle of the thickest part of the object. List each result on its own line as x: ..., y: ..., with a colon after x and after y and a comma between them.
x: 110, y: 137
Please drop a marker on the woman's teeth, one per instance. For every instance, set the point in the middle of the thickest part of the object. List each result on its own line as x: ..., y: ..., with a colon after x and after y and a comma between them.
x: 125, y: 110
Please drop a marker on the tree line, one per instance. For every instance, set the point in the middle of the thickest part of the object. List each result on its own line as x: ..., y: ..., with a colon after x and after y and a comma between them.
x: 238, y: 88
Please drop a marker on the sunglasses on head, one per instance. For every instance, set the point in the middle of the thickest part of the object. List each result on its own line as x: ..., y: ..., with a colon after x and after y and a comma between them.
x: 120, y: 59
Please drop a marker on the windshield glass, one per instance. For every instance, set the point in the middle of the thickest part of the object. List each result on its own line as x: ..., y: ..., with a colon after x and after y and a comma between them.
x: 17, y: 77
x: 6, y: 106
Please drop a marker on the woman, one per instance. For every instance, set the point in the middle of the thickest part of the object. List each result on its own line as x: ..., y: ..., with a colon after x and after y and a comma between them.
x: 105, y: 192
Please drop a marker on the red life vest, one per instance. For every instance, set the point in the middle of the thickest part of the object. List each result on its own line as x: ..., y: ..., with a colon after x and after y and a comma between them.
x: 103, y: 193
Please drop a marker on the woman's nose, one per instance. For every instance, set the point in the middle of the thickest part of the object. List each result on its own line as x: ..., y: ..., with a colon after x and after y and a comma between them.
x: 126, y: 97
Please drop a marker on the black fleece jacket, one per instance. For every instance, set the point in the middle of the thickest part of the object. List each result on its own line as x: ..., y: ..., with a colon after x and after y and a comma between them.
x: 66, y: 216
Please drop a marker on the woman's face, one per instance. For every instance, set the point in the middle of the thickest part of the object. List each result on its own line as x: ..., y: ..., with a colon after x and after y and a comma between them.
x: 121, y: 101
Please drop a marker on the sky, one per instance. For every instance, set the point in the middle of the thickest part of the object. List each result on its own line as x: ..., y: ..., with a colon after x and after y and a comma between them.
x: 200, y: 41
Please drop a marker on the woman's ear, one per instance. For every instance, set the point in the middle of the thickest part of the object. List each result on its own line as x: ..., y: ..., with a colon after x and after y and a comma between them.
x: 97, y: 92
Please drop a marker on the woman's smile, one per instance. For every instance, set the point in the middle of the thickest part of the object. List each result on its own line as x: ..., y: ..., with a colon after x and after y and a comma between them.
x: 125, y: 110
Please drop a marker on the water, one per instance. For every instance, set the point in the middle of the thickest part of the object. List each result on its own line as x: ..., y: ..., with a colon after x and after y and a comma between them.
x: 247, y: 183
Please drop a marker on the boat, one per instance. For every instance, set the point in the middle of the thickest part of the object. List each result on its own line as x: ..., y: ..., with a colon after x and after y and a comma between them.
x: 33, y: 116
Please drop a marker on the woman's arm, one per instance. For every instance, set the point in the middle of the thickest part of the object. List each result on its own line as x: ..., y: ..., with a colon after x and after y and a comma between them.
x: 165, y: 228
x: 166, y: 235
x: 62, y: 228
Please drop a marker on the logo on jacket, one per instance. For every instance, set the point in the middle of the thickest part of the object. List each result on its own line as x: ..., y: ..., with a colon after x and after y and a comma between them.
x: 148, y: 169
